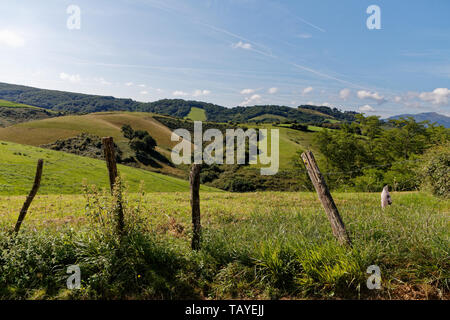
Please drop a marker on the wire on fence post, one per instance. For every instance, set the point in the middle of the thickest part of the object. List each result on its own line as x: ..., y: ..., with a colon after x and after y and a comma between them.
x: 337, y: 225
x: 110, y: 157
x: 30, y: 197
x: 194, y: 178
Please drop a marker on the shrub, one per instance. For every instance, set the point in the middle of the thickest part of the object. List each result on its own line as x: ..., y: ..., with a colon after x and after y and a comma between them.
x: 436, y: 171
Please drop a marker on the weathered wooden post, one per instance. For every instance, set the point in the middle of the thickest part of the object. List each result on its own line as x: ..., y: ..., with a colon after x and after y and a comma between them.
x: 337, y: 225
x: 194, y: 178
x: 29, y: 199
x: 110, y: 157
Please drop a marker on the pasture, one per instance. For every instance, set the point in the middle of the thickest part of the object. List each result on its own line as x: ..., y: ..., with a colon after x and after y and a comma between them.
x: 64, y: 173
x: 267, y: 245
x: 196, y: 114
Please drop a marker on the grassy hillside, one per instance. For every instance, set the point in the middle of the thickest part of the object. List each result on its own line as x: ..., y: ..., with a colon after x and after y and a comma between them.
x: 46, y: 131
x: 10, y: 104
x: 41, y: 132
x: 76, y: 102
x: 196, y: 114
x: 12, y: 113
x: 64, y: 172
x: 267, y: 245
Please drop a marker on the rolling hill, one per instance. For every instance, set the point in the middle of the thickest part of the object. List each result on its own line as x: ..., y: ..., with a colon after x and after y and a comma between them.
x: 13, y: 113
x: 46, y: 131
x: 64, y: 173
x: 70, y: 102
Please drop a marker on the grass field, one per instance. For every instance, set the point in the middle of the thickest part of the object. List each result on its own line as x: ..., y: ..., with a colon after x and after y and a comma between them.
x: 9, y: 104
x: 290, y: 142
x: 256, y: 246
x: 196, y: 114
x: 64, y: 173
x: 102, y: 124
x: 45, y: 131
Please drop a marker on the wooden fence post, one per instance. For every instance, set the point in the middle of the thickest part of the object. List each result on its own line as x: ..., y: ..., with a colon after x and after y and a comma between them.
x: 337, y: 225
x: 29, y: 199
x: 194, y: 178
x: 110, y: 157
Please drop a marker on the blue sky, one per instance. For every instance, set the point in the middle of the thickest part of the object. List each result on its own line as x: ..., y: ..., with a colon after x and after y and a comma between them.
x: 236, y: 52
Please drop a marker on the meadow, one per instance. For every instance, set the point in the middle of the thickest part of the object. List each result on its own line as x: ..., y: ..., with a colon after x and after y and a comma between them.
x: 64, y: 173
x: 271, y: 245
x: 196, y: 114
x: 10, y: 104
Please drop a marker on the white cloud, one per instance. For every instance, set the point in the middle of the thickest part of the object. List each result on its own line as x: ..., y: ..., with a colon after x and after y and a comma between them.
x: 253, y: 99
x: 179, y: 93
x: 129, y: 84
x: 398, y: 99
x: 102, y: 81
x: 74, y: 78
x: 366, y: 108
x: 242, y: 45
x: 438, y: 96
x: 247, y: 91
x: 307, y: 90
x: 304, y: 36
x: 363, y: 94
x: 198, y: 93
x: 344, y: 93
x: 11, y: 39
x: 272, y: 90
x: 143, y: 92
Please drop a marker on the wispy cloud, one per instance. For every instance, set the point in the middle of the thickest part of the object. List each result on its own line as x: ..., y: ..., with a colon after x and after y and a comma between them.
x: 196, y: 93
x: 199, y: 93
x: 11, y: 39
x: 307, y: 90
x: 366, y: 108
x: 304, y: 36
x: 364, y: 94
x: 272, y: 90
x: 251, y: 100
x: 102, y: 81
x: 247, y: 91
x: 242, y: 45
x: 74, y: 78
x: 344, y: 94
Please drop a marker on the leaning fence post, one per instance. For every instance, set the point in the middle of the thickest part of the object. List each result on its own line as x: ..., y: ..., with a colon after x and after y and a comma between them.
x: 194, y: 178
x: 110, y: 157
x: 29, y: 199
x: 337, y: 225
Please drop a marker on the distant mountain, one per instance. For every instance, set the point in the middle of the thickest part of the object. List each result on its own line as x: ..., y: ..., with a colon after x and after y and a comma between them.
x: 441, y: 119
x: 71, y: 102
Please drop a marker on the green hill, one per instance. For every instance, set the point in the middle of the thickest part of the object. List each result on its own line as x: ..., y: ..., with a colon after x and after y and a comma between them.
x: 196, y: 114
x: 12, y: 113
x: 10, y: 104
x: 64, y: 173
x: 84, y: 103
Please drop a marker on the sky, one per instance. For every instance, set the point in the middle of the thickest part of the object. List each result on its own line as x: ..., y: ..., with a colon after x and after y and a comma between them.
x: 235, y: 52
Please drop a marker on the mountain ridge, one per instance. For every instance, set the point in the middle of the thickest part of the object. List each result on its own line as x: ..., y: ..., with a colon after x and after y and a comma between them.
x: 440, y: 119
x: 71, y: 102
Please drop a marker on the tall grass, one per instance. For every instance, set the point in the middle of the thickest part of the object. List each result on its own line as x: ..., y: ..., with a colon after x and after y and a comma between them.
x: 272, y: 245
